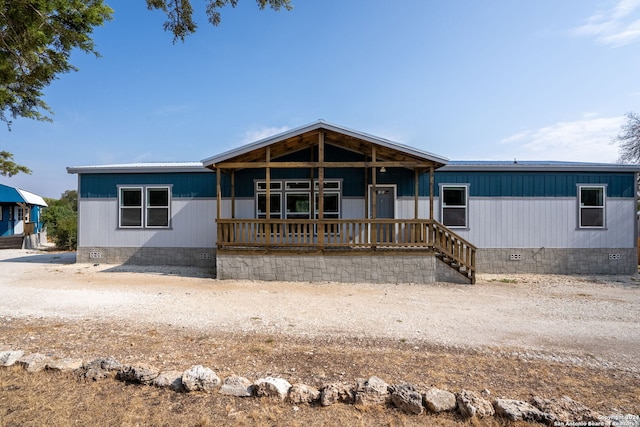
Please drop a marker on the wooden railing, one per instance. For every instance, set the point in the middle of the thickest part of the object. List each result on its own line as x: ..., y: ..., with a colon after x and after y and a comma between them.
x: 391, y: 234
x: 29, y: 228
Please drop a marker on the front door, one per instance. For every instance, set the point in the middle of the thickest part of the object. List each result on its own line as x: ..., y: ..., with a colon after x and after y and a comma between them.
x: 385, y: 209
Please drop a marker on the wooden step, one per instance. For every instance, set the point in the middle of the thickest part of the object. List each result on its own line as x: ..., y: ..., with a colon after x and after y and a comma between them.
x: 11, y: 242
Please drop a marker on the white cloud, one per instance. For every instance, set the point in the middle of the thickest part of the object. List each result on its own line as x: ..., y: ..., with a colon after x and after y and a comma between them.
x: 586, y: 140
x: 615, y: 27
x: 261, y: 133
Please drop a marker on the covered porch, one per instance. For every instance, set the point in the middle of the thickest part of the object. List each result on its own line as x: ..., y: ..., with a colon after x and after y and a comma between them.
x: 277, y: 227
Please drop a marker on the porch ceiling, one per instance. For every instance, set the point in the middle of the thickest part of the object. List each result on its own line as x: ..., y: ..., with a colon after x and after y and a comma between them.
x: 291, y: 142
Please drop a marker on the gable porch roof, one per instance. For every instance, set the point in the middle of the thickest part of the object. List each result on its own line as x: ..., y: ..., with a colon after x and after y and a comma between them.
x: 393, y: 153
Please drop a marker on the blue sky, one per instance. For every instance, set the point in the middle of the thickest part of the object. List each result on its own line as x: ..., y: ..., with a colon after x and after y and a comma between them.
x: 468, y: 80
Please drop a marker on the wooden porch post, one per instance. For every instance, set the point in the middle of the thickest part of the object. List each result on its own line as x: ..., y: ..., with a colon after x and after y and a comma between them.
x: 431, y: 192
x: 321, y: 229
x: 218, y: 192
x: 321, y: 176
x: 374, y: 182
x: 267, y: 229
x: 416, y: 189
x: 233, y: 194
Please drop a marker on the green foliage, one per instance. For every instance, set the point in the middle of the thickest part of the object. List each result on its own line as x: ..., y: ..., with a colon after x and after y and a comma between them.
x: 36, y: 41
x: 61, y: 220
x: 8, y: 167
x: 180, y: 13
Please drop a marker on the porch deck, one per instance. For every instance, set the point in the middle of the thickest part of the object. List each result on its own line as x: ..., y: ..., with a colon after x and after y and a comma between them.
x: 352, y: 236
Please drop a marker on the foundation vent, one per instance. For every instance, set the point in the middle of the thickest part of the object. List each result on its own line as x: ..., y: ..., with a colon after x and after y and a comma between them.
x: 95, y: 255
x: 515, y: 257
x: 614, y: 256
x: 205, y: 255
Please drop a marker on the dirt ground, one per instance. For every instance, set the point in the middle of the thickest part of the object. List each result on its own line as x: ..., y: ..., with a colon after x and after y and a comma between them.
x: 515, y: 336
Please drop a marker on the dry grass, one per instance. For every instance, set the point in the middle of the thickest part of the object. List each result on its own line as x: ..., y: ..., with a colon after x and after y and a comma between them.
x: 55, y: 399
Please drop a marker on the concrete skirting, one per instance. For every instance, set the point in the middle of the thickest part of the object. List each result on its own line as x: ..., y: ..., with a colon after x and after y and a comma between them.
x: 193, y: 257
x: 377, y: 267
x: 557, y: 261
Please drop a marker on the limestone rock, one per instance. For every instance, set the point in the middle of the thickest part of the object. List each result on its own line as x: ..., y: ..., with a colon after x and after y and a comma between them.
x: 336, y: 392
x: 438, y: 400
x: 99, y: 369
x: 270, y: 386
x: 9, y: 357
x: 565, y: 410
x: 64, y: 365
x: 406, y: 398
x: 35, y: 362
x: 141, y: 374
x: 237, y: 386
x: 470, y: 405
x: 516, y: 410
x: 169, y: 379
x: 373, y: 391
x: 302, y: 393
x: 199, y: 378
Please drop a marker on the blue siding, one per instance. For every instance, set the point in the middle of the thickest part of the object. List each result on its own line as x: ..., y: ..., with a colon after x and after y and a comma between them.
x: 533, y: 184
x: 184, y: 184
x: 9, y: 194
x: 6, y: 226
x: 481, y: 184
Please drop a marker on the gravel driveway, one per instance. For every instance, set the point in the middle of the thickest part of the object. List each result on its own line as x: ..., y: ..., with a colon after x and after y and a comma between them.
x: 565, y: 318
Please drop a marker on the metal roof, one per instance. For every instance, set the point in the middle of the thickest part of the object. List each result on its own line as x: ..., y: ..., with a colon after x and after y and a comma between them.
x: 17, y: 195
x: 321, y: 124
x: 141, y: 168
x: 31, y: 198
x: 536, y: 165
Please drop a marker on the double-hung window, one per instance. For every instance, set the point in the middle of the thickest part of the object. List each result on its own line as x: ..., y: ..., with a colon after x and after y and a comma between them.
x: 141, y: 207
x: 275, y: 208
x: 591, y: 206
x: 293, y: 199
x: 454, y: 204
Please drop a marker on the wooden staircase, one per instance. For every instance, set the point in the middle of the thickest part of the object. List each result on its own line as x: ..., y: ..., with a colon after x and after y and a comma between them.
x: 11, y: 242
x: 454, y: 251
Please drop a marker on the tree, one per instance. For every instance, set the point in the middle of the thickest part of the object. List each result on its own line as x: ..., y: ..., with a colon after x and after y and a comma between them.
x: 61, y: 220
x: 36, y: 41
x: 8, y: 167
x: 629, y: 139
x: 180, y: 13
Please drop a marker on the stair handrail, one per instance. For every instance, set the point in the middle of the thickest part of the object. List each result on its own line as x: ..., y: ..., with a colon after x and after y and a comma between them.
x: 448, y: 243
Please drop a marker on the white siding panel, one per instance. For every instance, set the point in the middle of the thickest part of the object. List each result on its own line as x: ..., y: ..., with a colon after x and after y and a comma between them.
x: 353, y: 208
x: 545, y: 222
x: 405, y: 208
x: 192, y: 225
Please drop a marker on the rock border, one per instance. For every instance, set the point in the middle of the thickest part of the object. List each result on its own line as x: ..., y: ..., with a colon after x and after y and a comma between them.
x: 405, y: 397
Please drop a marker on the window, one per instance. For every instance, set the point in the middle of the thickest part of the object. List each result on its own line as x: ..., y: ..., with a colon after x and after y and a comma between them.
x: 157, y: 207
x: 144, y: 207
x: 292, y: 199
x: 298, y: 205
x: 454, y: 205
x: 591, y: 206
x: 10, y: 213
x: 20, y: 214
x: 275, y: 209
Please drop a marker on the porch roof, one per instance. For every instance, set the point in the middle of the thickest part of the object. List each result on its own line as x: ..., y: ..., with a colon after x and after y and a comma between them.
x: 307, y: 136
x: 17, y: 195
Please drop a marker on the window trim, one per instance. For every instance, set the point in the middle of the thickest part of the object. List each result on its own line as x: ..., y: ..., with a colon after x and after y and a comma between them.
x: 282, y: 188
x: 603, y: 188
x: 148, y: 207
x: 144, y: 206
x: 443, y: 187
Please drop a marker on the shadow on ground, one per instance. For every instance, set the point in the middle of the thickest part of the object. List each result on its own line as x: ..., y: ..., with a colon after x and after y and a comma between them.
x: 44, y: 258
